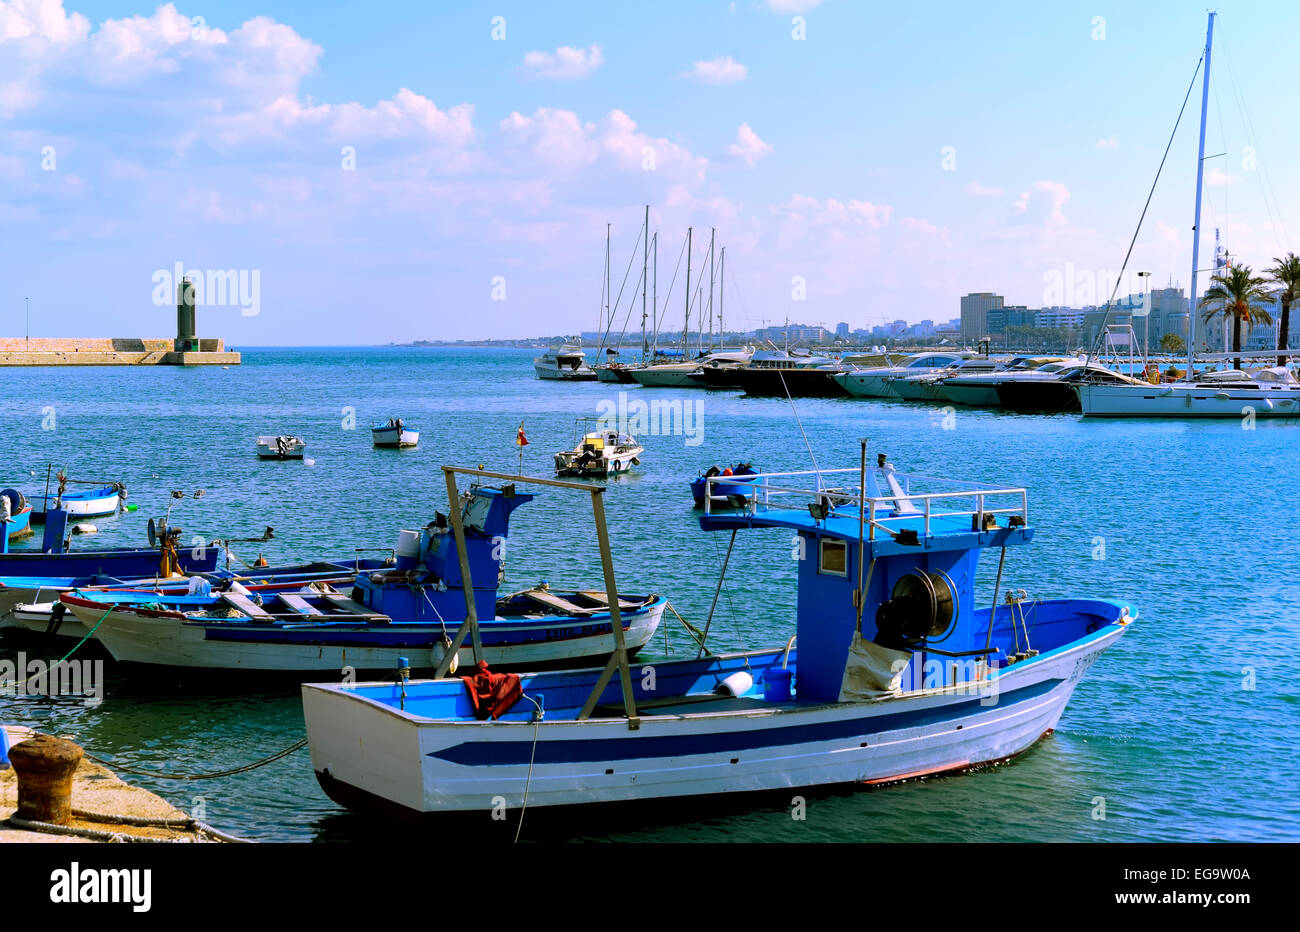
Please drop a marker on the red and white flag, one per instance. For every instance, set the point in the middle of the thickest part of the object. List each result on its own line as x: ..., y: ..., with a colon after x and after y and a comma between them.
x: 521, y: 440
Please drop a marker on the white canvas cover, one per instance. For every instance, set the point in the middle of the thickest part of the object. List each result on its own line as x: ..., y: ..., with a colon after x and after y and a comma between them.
x: 872, y: 671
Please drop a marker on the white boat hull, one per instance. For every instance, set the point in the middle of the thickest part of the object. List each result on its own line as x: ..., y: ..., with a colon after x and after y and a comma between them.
x: 368, y: 750
x: 393, y: 437
x: 565, y: 375
x: 865, y: 386
x: 79, y: 508
x: 1180, y: 401
x: 667, y: 377
x: 132, y: 637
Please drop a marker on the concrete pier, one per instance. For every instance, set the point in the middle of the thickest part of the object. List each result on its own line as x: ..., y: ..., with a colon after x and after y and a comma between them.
x: 119, y: 351
x: 95, y: 789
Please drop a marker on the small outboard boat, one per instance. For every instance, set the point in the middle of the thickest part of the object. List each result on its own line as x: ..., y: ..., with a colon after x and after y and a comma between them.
x: 395, y: 435
x: 282, y: 447
x: 730, y: 488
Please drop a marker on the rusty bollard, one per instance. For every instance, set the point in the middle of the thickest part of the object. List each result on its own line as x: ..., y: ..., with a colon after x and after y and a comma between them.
x: 44, y: 766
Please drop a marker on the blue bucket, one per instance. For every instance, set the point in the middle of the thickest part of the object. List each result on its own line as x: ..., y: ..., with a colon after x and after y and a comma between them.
x: 776, y: 684
x: 4, y: 748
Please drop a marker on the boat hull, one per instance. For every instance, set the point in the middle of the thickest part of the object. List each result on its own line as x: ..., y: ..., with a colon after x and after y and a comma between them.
x: 974, y: 394
x: 666, y: 376
x: 1044, y: 395
x: 366, y: 752
x: 1176, y: 401
x: 170, y: 639
x: 97, y: 506
x: 19, y: 525
x: 551, y: 373
x: 393, y: 438
x: 796, y: 383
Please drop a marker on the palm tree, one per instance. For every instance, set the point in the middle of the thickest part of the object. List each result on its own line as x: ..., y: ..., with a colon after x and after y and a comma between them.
x: 1287, y: 274
x: 1242, y: 295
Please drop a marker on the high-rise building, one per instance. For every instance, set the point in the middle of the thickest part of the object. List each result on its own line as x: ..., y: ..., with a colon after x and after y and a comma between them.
x: 975, y: 309
x: 842, y: 330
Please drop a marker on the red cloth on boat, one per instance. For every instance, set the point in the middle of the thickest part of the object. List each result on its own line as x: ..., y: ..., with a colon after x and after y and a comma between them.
x: 492, y: 694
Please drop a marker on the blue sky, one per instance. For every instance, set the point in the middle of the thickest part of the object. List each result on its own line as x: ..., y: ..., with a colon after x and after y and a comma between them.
x: 895, y: 158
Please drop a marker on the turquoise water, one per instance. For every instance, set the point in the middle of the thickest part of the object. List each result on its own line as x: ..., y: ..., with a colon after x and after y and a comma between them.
x: 1197, y: 525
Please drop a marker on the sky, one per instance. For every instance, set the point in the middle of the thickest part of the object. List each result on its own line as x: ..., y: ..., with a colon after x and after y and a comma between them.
x: 398, y: 171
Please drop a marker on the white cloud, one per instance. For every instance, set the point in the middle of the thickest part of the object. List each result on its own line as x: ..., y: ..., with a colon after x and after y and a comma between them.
x: 41, y: 19
x: 748, y: 147
x: 1217, y: 176
x: 562, y: 142
x: 565, y: 62
x: 718, y: 71
x: 1111, y: 142
x: 1043, y: 203
x: 811, y: 210
x: 980, y: 190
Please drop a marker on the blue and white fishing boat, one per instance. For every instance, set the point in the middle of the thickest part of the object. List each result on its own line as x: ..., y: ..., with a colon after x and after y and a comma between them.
x: 902, y: 670
x: 395, y: 435
x: 97, y: 501
x: 409, y: 610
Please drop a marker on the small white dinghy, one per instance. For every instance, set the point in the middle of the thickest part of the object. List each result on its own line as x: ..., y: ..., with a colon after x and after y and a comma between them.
x: 395, y: 435
x: 282, y: 447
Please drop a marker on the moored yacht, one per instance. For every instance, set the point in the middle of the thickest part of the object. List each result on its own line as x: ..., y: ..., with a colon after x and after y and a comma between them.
x: 874, y: 382
x: 565, y: 363
x: 680, y: 374
x: 980, y: 389
x: 928, y: 386
x: 1056, y: 392
x: 1271, y: 392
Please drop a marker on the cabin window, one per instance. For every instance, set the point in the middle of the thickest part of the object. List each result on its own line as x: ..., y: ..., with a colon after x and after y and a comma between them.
x: 833, y: 557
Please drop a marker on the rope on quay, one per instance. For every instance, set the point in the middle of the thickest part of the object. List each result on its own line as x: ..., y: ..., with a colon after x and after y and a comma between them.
x: 114, y: 765
x: 95, y: 834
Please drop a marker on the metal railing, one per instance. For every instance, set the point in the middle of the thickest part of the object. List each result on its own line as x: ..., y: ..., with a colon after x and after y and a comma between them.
x: 910, y: 496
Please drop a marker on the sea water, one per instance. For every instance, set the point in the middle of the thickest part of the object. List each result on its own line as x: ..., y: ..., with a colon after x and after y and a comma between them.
x: 1182, y: 731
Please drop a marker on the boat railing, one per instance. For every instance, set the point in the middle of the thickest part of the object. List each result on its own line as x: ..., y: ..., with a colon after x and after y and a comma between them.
x: 910, y: 496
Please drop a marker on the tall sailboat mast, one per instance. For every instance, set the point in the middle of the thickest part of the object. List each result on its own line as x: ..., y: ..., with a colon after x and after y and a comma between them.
x: 645, y: 273
x: 609, y: 320
x: 722, y: 287
x: 1196, y: 222
x: 686, y: 327
x: 655, y: 306
x: 712, y: 232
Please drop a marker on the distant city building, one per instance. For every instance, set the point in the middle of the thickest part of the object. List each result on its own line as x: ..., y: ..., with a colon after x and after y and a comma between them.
x: 842, y: 330
x: 794, y: 334
x: 975, y: 308
x: 999, y: 319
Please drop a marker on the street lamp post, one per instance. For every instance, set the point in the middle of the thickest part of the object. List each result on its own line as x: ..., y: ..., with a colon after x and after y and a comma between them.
x: 29, y: 322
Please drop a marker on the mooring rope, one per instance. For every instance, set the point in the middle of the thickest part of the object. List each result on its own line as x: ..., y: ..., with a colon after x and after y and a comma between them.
x: 113, y: 765
x: 19, y: 683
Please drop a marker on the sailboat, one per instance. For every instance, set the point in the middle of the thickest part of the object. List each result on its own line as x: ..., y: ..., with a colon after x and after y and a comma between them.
x: 1271, y: 392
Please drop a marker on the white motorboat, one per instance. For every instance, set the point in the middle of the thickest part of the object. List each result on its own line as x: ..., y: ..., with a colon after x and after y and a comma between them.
x: 875, y: 383
x: 928, y: 386
x: 980, y: 389
x: 599, y: 453
x: 280, y: 447
x: 566, y: 363
x: 680, y: 374
x: 395, y: 435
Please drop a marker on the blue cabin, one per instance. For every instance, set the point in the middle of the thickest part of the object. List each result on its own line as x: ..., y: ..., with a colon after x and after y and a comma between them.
x: 426, y: 585
x: 914, y: 555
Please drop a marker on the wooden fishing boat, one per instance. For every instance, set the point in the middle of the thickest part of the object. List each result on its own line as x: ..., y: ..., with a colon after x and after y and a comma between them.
x: 901, y: 672
x: 407, y: 611
x: 95, y: 502
x: 395, y: 435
